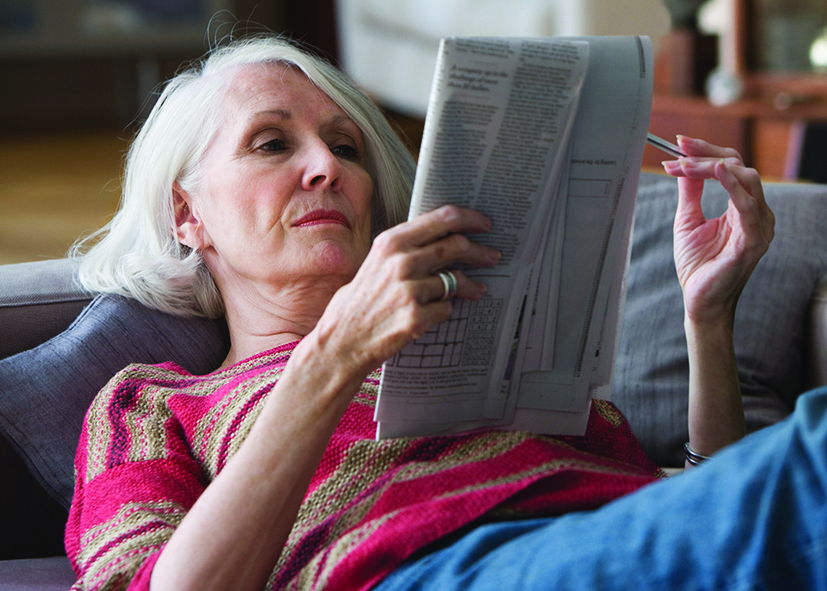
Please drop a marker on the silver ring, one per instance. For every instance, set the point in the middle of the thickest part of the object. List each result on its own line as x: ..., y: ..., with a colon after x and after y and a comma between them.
x: 449, y: 280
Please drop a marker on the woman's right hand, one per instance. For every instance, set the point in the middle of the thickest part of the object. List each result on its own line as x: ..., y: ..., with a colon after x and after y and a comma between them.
x: 397, y: 295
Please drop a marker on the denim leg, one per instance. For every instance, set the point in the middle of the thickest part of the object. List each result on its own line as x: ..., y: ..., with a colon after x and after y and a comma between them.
x: 753, y: 517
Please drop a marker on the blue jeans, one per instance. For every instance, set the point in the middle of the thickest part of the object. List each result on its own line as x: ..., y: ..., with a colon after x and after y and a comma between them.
x: 752, y: 517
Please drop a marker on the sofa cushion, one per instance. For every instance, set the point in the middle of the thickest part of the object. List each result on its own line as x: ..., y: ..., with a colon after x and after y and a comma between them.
x: 817, y: 339
x: 652, y: 373
x: 42, y: 574
x: 45, y: 391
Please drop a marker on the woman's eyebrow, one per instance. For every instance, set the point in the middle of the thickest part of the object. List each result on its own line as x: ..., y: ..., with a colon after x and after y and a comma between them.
x: 270, y: 113
x: 338, y: 119
x: 344, y: 122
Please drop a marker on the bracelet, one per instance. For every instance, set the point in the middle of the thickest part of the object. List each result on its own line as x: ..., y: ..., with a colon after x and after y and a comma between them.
x: 692, y: 456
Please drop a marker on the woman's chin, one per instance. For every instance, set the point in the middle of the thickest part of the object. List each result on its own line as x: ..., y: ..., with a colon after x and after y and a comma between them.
x: 335, y: 258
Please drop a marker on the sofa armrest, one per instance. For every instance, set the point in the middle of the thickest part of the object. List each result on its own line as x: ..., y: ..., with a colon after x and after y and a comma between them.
x: 817, y: 337
x: 38, y: 300
x: 33, y: 522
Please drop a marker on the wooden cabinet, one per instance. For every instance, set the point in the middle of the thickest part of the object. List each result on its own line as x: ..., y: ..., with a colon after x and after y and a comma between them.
x: 771, y: 139
x: 780, y: 124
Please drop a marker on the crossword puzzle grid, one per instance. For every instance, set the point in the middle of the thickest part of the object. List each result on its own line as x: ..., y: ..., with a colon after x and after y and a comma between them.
x: 467, y: 337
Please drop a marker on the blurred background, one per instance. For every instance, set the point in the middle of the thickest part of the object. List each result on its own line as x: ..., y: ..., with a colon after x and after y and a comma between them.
x: 77, y: 77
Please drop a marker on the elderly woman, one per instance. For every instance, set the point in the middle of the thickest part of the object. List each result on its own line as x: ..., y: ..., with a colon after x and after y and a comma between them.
x: 265, y: 187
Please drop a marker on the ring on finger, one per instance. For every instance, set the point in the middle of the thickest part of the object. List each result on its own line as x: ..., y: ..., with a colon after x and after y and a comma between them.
x: 449, y: 280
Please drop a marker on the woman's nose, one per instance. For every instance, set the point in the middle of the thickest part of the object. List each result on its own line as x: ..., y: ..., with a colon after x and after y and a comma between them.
x: 321, y: 169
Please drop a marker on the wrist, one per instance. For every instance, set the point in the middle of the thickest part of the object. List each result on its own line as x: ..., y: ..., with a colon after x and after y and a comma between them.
x: 693, y: 458
x: 716, y: 415
x: 334, y: 376
x: 717, y: 333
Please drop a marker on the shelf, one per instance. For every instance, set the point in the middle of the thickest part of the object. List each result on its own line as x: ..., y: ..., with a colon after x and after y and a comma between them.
x: 769, y: 138
x: 78, y: 29
x: 169, y: 39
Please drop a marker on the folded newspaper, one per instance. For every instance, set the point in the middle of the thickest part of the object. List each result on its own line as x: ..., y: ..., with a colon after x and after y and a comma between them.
x: 545, y: 136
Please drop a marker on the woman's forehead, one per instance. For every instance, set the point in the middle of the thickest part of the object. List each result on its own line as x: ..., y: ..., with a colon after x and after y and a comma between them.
x: 274, y: 87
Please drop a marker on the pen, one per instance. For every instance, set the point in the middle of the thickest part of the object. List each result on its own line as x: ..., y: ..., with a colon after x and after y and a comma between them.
x: 670, y: 149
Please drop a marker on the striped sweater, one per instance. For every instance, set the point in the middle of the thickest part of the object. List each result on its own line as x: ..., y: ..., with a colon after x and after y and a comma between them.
x: 156, y: 436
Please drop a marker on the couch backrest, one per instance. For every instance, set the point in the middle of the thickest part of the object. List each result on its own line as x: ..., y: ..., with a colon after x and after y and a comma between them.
x: 817, y: 337
x: 37, y: 302
x: 40, y: 300
x: 45, y: 390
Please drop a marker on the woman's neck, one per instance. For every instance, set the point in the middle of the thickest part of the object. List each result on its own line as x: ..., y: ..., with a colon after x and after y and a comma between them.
x: 259, y: 322
x: 255, y: 345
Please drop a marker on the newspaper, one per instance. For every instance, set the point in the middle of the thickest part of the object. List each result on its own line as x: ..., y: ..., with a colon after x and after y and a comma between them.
x: 545, y: 136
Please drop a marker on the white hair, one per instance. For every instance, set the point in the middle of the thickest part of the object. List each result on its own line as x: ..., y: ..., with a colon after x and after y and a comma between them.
x: 138, y: 254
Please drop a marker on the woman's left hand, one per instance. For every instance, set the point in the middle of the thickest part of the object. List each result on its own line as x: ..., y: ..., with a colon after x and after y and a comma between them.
x: 715, y: 257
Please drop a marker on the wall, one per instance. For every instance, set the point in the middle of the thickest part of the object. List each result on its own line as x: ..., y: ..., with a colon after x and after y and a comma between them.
x: 88, y: 64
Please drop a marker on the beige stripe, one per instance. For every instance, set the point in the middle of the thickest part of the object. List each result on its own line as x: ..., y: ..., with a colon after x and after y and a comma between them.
x: 215, y: 428
x: 608, y: 412
x: 121, y: 559
x: 99, y: 429
x: 147, y: 436
x: 316, y: 575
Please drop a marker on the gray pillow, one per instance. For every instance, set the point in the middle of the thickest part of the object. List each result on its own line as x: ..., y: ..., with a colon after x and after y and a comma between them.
x: 45, y: 391
x: 651, y: 374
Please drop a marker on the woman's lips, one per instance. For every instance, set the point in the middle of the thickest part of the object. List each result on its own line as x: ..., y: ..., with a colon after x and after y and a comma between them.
x: 323, y: 216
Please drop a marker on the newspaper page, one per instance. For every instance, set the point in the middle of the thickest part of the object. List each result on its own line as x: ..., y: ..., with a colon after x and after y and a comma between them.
x: 545, y: 136
x: 578, y: 353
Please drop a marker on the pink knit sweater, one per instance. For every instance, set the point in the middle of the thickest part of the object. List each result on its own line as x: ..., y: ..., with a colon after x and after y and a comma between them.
x: 156, y: 436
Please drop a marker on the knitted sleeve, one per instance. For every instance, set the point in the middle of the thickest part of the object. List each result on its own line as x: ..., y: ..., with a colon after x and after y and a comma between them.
x: 135, y: 480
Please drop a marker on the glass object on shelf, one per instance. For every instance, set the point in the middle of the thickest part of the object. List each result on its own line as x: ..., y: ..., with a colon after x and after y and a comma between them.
x: 818, y: 53
x: 724, y: 87
x: 684, y: 13
x: 725, y: 83
x: 783, y: 34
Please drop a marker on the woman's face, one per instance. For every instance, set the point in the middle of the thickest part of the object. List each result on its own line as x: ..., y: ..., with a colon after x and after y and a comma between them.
x: 286, y: 196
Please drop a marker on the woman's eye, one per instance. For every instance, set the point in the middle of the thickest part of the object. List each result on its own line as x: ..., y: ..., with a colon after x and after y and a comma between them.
x: 274, y: 145
x: 346, y: 151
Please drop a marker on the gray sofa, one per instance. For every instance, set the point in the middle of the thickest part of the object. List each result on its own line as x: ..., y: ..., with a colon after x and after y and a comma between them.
x: 58, y: 346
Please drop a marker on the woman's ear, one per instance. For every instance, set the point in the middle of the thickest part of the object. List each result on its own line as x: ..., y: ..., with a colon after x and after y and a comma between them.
x: 188, y: 227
